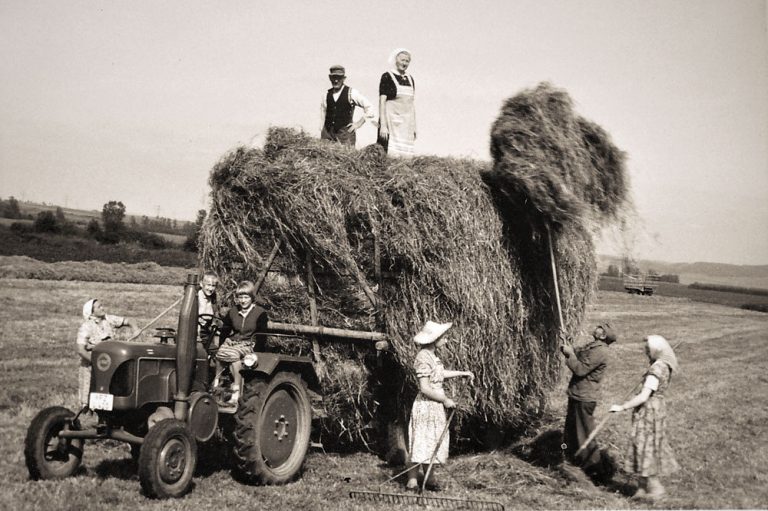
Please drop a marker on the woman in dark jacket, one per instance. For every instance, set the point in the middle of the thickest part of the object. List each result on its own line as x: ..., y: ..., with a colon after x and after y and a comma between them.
x: 241, y: 329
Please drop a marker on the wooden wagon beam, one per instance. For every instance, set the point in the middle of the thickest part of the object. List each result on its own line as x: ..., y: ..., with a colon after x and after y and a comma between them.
x: 324, y: 331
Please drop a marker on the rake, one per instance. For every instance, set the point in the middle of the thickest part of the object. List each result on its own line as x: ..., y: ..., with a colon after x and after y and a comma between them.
x: 419, y: 499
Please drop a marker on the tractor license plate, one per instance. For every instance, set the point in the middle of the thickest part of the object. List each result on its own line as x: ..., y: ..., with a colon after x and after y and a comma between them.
x: 101, y: 401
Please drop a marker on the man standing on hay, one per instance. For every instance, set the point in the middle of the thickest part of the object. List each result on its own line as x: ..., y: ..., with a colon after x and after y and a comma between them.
x: 588, y: 365
x: 338, y: 110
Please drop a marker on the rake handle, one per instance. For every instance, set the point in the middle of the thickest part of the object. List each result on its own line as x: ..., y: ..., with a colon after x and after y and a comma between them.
x: 437, y: 448
x: 174, y: 304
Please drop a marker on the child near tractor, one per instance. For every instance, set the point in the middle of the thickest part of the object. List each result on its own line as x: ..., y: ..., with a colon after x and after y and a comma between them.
x: 241, y: 329
x: 428, y: 420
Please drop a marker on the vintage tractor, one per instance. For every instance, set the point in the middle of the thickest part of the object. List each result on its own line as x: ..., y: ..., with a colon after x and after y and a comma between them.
x: 157, y: 398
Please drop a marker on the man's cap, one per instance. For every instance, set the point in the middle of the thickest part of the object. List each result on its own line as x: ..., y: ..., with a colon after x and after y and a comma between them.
x: 337, y: 71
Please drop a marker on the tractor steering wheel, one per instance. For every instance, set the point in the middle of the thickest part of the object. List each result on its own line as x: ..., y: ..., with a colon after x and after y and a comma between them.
x: 206, y: 321
x: 209, y: 329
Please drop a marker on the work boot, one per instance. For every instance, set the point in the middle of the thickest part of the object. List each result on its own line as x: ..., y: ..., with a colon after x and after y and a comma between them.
x: 641, y: 492
x: 654, y: 489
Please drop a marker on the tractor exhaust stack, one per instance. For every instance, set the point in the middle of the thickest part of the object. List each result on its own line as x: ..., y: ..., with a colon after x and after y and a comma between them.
x: 186, y: 337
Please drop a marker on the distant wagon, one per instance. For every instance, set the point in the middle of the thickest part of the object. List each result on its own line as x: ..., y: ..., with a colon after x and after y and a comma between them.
x: 641, y: 284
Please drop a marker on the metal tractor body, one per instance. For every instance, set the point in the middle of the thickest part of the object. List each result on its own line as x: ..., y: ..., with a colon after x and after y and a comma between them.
x: 157, y: 397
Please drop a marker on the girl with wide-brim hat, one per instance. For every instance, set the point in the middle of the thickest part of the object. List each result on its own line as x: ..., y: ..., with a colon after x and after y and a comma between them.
x: 428, y: 416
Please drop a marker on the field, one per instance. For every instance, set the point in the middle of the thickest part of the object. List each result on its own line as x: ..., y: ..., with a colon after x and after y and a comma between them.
x: 669, y: 289
x: 718, y: 423
x: 56, y: 247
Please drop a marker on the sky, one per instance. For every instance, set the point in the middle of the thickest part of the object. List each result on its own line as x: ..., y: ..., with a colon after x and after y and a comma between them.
x: 137, y: 100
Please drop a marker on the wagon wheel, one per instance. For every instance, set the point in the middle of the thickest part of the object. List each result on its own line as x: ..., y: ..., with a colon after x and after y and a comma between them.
x: 48, y: 456
x: 167, y: 460
x: 273, y: 428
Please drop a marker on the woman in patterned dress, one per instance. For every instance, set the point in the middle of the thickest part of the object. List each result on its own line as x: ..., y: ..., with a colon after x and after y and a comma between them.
x: 397, y: 113
x: 428, y: 413
x: 98, y: 326
x: 650, y: 455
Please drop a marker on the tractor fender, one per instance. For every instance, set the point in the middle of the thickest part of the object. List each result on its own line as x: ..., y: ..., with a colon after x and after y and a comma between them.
x: 270, y: 363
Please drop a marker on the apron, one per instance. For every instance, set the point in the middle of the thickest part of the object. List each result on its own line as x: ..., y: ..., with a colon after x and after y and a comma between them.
x: 401, y: 119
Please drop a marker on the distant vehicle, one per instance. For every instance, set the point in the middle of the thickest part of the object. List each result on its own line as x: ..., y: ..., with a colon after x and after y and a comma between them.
x: 641, y: 284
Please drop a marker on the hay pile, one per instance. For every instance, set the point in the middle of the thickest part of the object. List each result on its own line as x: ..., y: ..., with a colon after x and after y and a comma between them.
x: 453, y: 246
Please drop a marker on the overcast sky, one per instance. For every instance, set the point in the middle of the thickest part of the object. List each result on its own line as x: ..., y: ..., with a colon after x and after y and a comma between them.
x: 136, y: 100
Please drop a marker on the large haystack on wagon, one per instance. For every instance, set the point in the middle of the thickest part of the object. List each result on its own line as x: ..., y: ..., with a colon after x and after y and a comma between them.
x: 376, y: 244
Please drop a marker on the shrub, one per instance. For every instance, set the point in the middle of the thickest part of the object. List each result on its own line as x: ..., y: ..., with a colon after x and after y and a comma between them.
x: 760, y: 307
x: 47, y: 222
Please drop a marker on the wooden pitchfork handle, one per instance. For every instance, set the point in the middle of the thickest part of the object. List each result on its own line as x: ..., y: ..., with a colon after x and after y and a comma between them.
x: 554, y: 279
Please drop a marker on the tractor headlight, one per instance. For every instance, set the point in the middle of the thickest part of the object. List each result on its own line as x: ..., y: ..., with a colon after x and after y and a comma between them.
x: 250, y: 359
x: 103, y: 362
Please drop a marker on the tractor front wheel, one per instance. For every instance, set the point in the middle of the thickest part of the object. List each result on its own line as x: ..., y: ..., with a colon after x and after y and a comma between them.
x: 273, y: 424
x: 167, y: 460
x: 48, y: 456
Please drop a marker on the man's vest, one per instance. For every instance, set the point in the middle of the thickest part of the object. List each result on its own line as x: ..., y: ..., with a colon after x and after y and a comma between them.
x: 338, y: 113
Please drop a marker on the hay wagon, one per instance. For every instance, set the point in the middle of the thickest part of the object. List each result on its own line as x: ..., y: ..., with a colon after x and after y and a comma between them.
x: 640, y: 284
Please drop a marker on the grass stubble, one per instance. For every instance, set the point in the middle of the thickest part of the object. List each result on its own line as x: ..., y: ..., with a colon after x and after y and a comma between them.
x: 718, y: 420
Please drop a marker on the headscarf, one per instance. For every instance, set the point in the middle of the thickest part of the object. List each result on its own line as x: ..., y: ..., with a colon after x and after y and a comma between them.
x: 88, y: 308
x: 659, y: 349
x: 395, y: 53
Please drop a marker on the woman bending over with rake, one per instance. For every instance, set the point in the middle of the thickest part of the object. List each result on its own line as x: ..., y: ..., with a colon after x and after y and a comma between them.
x: 428, y: 422
x: 650, y: 455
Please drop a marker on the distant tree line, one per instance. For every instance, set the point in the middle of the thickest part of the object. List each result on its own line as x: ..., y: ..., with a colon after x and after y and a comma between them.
x: 10, y: 209
x: 112, y: 228
x: 629, y: 267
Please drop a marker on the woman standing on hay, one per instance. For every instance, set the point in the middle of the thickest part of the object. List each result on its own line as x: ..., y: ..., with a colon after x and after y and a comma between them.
x: 397, y: 113
x: 650, y: 455
x: 428, y: 419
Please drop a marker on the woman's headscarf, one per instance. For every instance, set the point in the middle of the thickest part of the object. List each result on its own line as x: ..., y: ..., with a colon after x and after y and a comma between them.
x: 659, y: 349
x: 395, y: 53
x: 88, y: 309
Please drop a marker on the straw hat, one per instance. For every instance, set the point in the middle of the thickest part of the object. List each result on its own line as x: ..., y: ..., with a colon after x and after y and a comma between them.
x: 431, y: 332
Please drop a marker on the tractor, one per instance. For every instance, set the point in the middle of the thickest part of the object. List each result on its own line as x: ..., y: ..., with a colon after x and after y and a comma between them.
x: 157, y: 397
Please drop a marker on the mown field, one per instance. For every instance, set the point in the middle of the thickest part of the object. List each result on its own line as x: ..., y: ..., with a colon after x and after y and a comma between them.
x: 668, y: 289
x: 718, y: 422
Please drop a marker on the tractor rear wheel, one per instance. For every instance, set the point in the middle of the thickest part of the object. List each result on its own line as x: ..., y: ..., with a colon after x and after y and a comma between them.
x: 48, y: 456
x: 273, y: 423
x: 167, y: 460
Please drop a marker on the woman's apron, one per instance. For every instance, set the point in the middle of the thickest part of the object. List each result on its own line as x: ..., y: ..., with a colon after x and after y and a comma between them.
x: 401, y: 119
